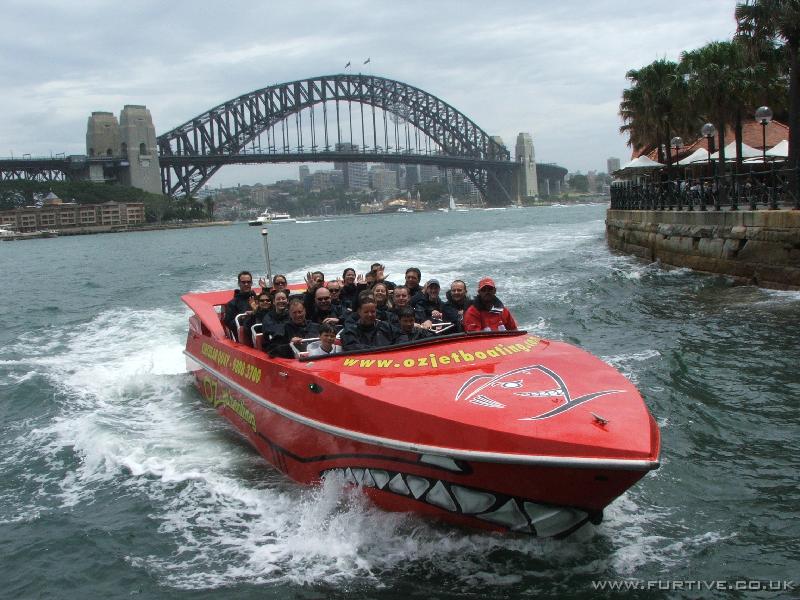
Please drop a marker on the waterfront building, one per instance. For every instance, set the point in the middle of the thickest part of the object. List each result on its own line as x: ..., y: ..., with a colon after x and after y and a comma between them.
x: 612, y: 164
x: 55, y: 214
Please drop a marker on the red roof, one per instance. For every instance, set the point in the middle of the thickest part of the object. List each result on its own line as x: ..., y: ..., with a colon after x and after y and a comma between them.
x: 751, y: 135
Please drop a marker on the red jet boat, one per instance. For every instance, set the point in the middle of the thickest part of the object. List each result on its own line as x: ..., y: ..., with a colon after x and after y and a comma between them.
x: 496, y: 430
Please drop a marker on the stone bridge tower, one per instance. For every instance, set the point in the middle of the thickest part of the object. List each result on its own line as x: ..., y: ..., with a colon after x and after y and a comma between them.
x: 131, y: 142
x: 527, y: 186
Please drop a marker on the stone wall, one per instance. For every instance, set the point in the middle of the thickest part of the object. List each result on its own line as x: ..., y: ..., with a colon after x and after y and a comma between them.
x: 756, y: 247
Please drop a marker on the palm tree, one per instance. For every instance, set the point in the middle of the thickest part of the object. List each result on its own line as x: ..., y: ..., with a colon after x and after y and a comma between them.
x: 717, y: 78
x: 777, y: 23
x: 654, y: 106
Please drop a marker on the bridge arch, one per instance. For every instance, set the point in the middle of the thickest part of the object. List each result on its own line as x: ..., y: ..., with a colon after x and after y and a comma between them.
x: 192, y: 152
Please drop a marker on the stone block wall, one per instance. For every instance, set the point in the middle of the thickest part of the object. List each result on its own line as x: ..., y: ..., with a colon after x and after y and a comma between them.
x: 756, y: 247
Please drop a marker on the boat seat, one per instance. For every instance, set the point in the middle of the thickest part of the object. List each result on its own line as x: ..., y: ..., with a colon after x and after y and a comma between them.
x: 256, y: 336
x: 241, y: 332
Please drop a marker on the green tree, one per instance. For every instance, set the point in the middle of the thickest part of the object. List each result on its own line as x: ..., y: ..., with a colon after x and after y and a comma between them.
x: 716, y: 76
x: 776, y: 23
x: 654, y: 107
x: 579, y: 183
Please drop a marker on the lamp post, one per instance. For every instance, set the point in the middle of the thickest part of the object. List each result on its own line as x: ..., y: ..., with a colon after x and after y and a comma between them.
x: 709, y: 131
x: 763, y: 116
x: 676, y: 144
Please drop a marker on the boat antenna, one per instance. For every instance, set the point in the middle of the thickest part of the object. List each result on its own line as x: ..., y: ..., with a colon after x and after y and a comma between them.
x: 264, y: 235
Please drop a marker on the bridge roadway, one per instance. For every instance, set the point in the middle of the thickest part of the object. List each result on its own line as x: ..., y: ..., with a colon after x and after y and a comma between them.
x: 60, y: 168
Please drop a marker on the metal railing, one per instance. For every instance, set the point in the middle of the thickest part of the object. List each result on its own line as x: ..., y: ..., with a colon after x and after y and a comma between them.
x: 769, y: 189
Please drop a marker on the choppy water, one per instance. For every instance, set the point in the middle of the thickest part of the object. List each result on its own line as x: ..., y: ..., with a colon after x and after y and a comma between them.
x: 117, y: 480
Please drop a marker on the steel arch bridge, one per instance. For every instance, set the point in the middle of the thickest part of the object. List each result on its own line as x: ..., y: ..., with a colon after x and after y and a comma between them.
x: 314, y: 120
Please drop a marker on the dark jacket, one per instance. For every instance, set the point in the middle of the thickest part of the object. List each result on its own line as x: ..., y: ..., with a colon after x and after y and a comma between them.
x: 349, y: 295
x: 359, y: 337
x: 279, y: 344
x: 416, y: 334
x: 419, y: 313
x: 256, y: 316
x: 426, y: 305
x: 336, y: 311
x: 238, y: 305
x: 271, y: 325
x: 387, y: 314
x: 451, y: 310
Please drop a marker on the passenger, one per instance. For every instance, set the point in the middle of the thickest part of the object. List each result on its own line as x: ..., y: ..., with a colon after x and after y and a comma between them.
x: 380, y: 275
x: 383, y: 303
x: 402, y: 299
x: 292, y: 331
x: 457, y: 303
x: 240, y: 303
x: 259, y: 307
x: 413, y: 278
x: 278, y: 283
x: 430, y: 303
x: 326, y: 344
x: 367, y: 332
x: 349, y: 288
x: 335, y: 288
x: 352, y: 317
x: 487, y: 313
x: 314, y: 281
x: 274, y: 319
x: 409, y: 330
x: 324, y: 311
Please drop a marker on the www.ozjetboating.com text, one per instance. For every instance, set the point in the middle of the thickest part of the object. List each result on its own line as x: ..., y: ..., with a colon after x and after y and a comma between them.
x: 433, y: 360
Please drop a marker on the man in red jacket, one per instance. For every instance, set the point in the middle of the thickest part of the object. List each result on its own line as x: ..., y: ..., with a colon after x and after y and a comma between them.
x: 487, y: 313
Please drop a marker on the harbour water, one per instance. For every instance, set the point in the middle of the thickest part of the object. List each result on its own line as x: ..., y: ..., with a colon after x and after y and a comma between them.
x: 118, y: 480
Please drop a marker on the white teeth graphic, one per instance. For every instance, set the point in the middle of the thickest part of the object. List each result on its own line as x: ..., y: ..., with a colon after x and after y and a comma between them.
x: 542, y: 520
x: 381, y: 478
x: 509, y: 515
x: 439, y: 497
x: 472, y: 501
x: 418, y: 485
x: 398, y: 485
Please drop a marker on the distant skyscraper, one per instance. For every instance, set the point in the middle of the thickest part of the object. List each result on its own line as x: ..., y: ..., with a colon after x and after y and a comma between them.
x: 412, y: 176
x: 356, y: 176
x: 612, y: 164
x: 428, y: 173
x: 304, y: 172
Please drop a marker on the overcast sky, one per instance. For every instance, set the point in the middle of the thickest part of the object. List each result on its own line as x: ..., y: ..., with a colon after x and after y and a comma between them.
x: 553, y: 68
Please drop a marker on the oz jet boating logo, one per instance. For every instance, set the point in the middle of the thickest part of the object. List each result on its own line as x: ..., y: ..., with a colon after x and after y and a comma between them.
x: 540, y: 387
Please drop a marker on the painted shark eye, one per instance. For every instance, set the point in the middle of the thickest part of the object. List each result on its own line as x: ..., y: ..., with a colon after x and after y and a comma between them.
x: 511, y: 384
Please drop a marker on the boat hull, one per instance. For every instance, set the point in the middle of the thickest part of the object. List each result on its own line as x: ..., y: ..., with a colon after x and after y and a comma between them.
x: 311, y: 423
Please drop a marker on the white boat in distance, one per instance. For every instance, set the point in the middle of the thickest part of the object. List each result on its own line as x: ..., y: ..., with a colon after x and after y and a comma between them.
x: 268, y: 218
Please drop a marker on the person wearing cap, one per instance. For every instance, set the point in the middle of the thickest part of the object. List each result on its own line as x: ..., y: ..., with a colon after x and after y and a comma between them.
x: 487, y: 313
x: 430, y: 303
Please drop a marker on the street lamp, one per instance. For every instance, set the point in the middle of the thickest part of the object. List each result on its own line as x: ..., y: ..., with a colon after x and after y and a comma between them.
x: 709, y: 131
x: 764, y: 116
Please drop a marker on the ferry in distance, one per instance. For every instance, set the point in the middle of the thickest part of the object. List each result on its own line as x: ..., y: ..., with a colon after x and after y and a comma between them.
x: 268, y: 218
x: 501, y: 430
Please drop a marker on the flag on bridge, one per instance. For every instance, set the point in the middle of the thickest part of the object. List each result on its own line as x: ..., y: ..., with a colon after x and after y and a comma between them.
x: 366, y: 61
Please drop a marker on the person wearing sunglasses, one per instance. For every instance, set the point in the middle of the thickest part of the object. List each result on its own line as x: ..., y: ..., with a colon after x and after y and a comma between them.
x: 240, y: 303
x: 260, y: 306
